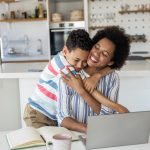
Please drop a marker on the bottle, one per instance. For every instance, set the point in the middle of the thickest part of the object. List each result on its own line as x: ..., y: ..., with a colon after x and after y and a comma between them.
x: 36, y: 12
x: 41, y: 10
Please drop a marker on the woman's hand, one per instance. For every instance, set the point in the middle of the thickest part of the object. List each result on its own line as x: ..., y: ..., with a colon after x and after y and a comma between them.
x: 73, y: 81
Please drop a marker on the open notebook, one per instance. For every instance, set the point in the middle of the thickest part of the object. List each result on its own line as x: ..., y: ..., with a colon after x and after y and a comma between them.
x: 30, y: 137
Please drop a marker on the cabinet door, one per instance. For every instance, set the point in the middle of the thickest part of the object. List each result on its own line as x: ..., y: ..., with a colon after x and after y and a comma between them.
x: 9, y: 110
x: 27, y: 87
x: 135, y: 93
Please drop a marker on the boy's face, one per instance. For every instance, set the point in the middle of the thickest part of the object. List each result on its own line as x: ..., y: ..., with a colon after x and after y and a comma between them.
x: 101, y: 54
x: 76, y: 58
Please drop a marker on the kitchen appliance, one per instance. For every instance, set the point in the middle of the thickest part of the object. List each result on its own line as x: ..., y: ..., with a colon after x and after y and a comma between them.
x: 59, y: 33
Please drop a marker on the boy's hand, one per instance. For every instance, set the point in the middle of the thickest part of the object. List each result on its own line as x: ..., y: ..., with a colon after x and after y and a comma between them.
x: 90, y: 83
x: 74, y: 82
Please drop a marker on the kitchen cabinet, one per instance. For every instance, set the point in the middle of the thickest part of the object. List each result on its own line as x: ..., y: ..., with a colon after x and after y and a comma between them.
x: 12, y: 75
x: 62, y: 20
x: 14, y: 93
x: 63, y: 7
x: 9, y: 110
x: 26, y: 89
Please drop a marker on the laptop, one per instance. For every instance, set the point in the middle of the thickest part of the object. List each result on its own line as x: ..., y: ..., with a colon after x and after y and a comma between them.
x: 117, y: 130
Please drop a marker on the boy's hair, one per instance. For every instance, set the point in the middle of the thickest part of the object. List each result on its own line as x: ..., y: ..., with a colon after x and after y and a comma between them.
x: 120, y: 39
x: 79, y: 39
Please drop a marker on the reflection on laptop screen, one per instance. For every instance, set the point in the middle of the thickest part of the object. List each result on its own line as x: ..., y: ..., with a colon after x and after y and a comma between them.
x: 118, y: 130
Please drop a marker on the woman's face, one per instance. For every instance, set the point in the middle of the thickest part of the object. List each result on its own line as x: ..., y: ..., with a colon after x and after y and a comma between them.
x: 101, y: 54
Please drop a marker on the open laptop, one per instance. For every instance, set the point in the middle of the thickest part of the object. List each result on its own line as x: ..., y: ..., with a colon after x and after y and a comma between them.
x: 118, y: 130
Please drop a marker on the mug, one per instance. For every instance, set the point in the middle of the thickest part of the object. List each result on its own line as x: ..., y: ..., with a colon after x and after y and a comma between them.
x: 62, y: 141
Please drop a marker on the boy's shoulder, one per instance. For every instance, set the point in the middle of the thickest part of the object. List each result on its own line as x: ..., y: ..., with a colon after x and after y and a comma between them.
x: 59, y: 64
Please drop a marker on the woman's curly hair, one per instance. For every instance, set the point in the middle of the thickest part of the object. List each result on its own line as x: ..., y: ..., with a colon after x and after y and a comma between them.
x: 120, y: 39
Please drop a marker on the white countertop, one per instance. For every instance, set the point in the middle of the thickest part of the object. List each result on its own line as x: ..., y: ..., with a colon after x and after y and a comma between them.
x: 136, y: 68
x: 33, y: 69
x: 14, y: 58
x: 74, y: 146
x: 22, y: 70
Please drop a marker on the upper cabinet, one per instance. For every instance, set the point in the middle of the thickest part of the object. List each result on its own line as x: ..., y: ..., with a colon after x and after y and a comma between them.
x: 66, y: 10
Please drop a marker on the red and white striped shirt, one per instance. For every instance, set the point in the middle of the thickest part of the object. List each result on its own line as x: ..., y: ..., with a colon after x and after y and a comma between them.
x: 44, y: 99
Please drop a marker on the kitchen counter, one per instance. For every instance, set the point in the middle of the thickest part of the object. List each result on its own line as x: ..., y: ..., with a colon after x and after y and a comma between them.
x: 20, y: 80
x: 16, y: 57
x: 22, y: 70
x: 136, y: 68
x: 33, y: 69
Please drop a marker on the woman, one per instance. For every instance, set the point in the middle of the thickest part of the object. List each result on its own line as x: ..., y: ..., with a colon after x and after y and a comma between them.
x: 110, y: 49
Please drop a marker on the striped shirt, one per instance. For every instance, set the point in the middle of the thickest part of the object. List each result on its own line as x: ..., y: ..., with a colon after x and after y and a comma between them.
x: 44, y: 99
x: 70, y: 104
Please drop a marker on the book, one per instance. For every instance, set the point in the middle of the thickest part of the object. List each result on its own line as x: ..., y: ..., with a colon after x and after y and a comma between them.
x: 31, y: 137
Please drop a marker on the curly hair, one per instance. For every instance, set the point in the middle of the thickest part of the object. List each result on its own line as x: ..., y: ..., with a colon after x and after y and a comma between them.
x: 120, y: 39
x: 79, y: 39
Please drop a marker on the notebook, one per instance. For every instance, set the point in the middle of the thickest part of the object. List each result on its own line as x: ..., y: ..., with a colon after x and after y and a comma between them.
x: 117, y: 130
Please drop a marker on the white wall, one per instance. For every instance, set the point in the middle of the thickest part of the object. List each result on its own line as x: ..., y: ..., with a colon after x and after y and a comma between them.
x: 133, y: 23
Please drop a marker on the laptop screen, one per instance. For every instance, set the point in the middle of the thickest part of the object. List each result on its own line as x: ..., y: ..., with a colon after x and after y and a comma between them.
x: 118, y: 130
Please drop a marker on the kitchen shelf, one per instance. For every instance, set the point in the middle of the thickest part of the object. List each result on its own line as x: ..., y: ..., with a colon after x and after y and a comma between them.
x: 99, y: 27
x: 23, y: 20
x: 66, y: 0
x: 8, y: 1
x: 133, y: 11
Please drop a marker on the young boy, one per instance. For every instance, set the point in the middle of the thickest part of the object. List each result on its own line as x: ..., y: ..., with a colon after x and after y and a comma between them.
x: 41, y: 109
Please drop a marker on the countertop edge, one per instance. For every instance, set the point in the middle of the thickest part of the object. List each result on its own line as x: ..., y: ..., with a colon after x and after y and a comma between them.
x: 136, y: 73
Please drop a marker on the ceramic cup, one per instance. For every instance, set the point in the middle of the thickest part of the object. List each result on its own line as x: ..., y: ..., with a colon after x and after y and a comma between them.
x: 62, y: 142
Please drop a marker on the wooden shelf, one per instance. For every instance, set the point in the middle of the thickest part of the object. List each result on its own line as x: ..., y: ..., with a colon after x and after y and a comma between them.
x: 8, y: 1
x: 133, y: 11
x: 99, y: 27
x: 23, y: 20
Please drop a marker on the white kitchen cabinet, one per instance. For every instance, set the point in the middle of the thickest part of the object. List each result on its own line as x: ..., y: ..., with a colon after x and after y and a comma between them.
x: 10, y: 118
x: 27, y: 87
x: 135, y: 92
